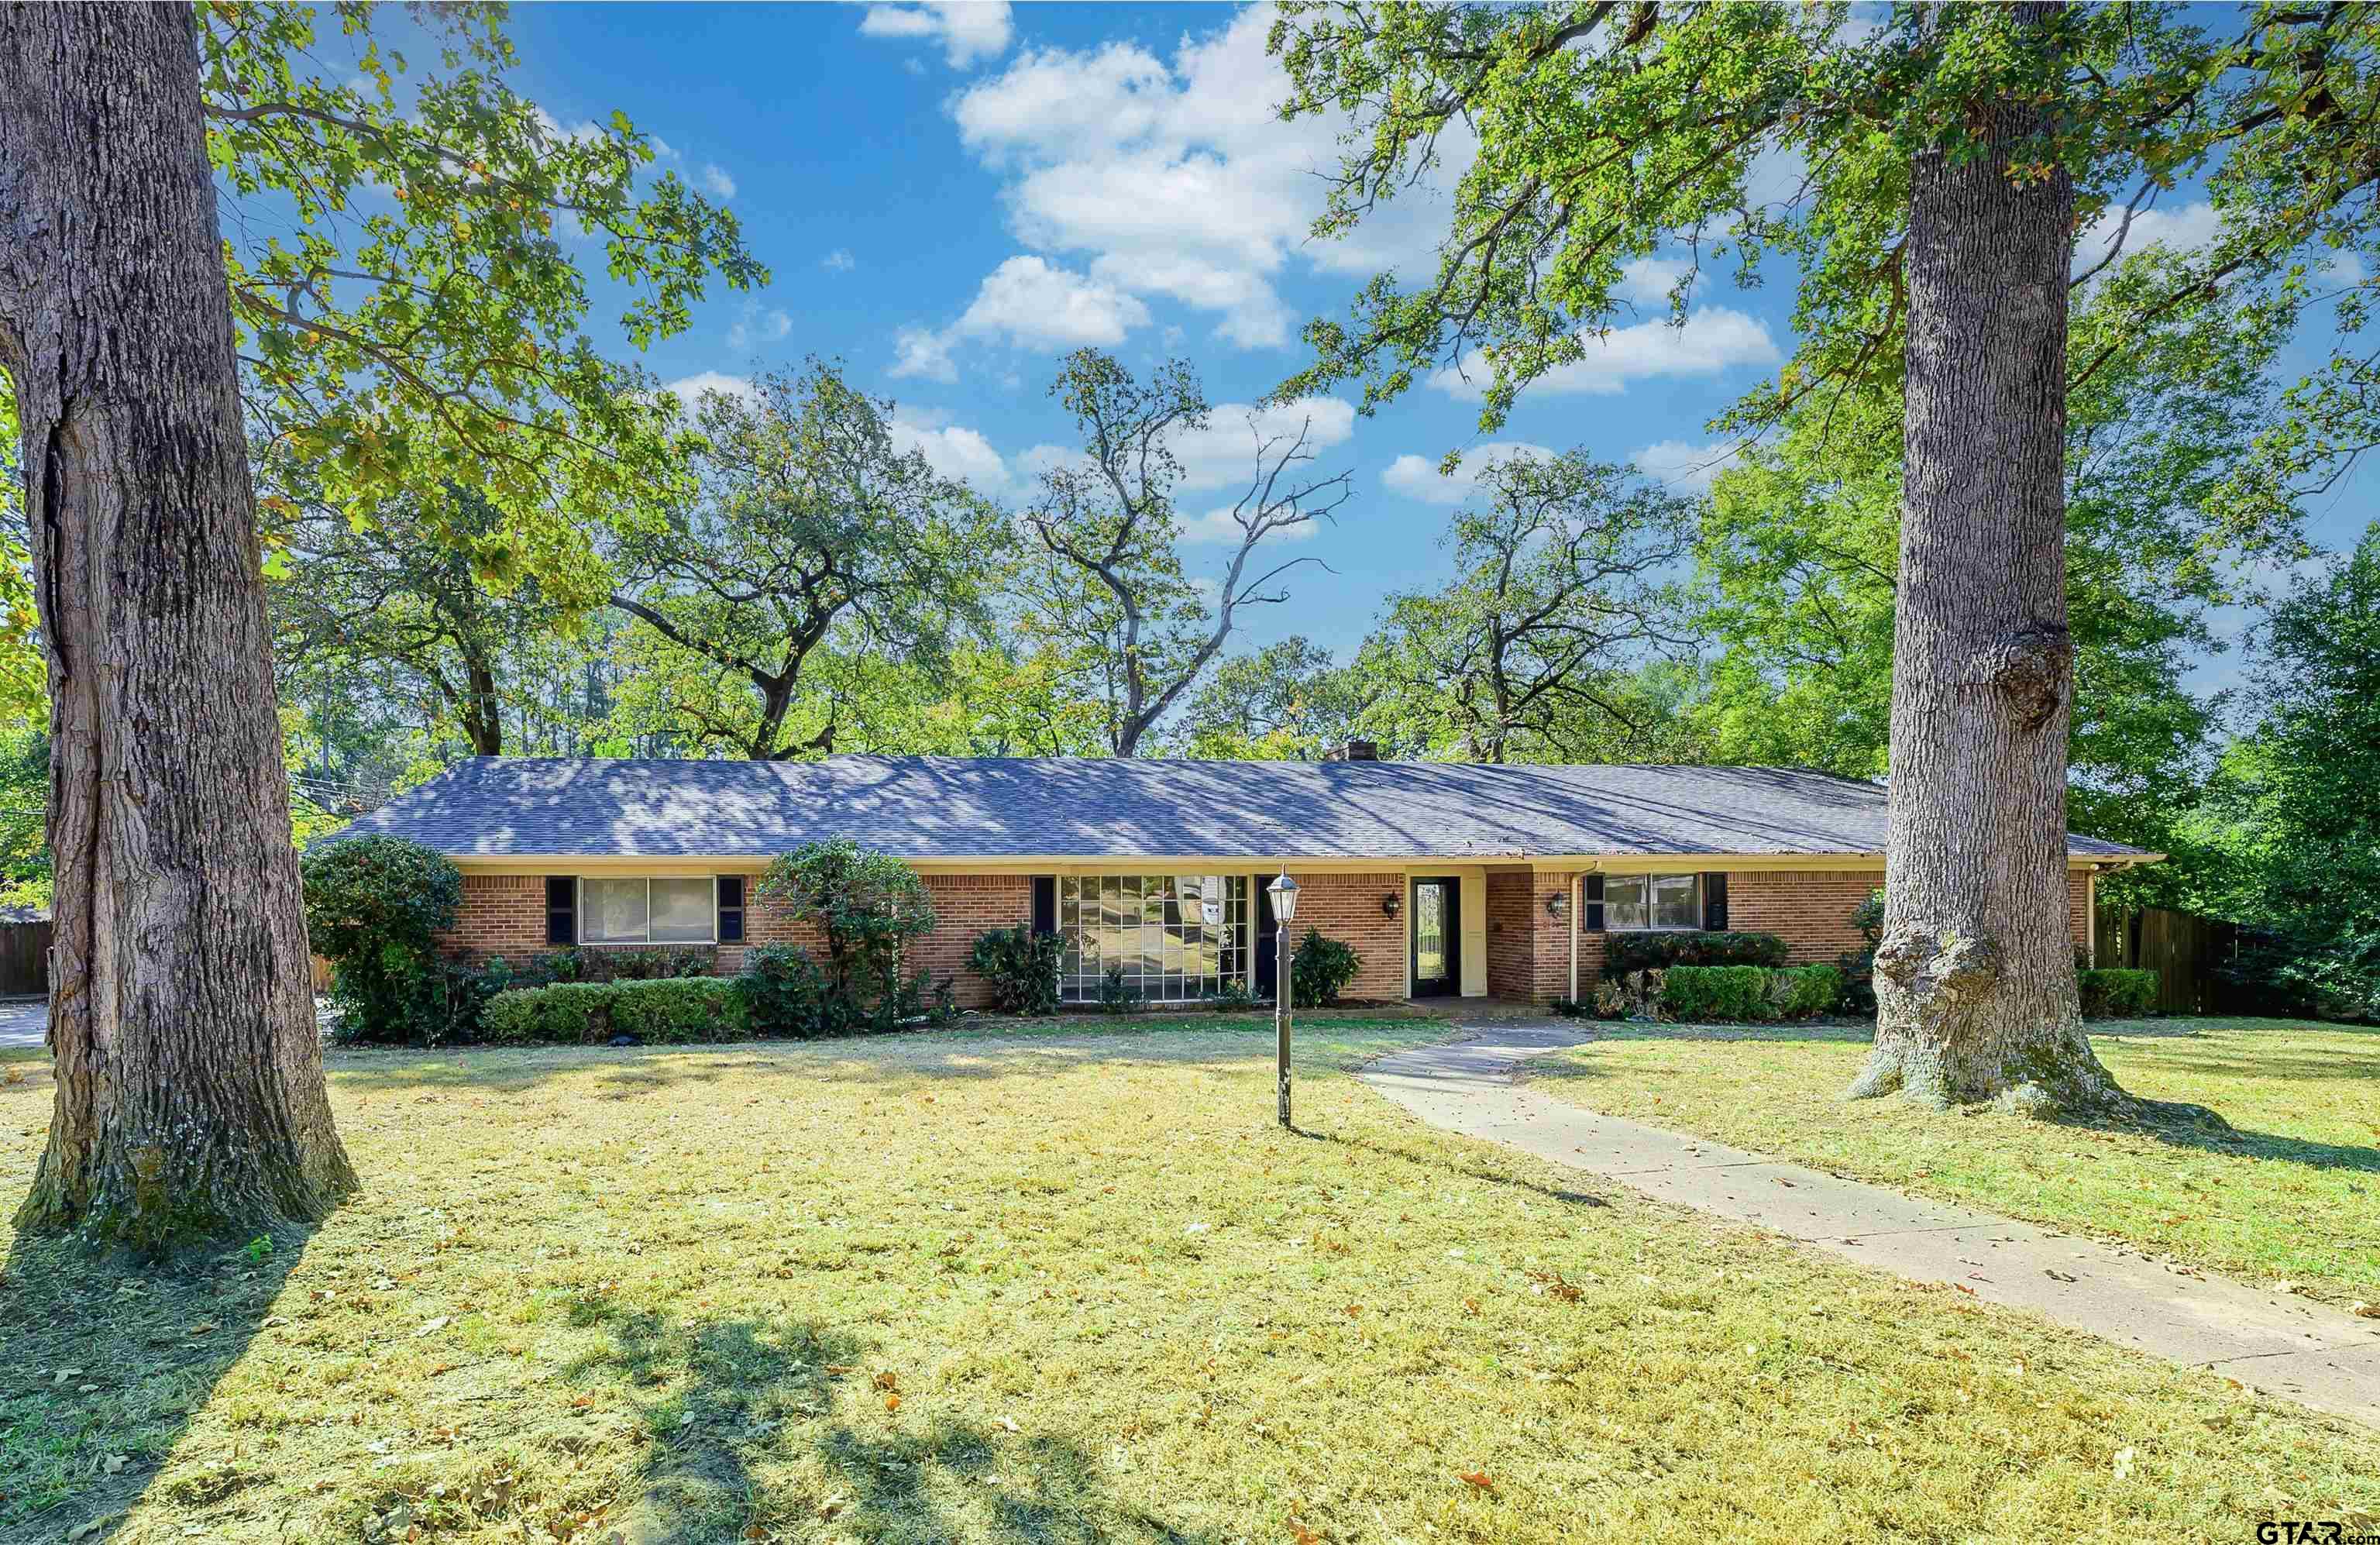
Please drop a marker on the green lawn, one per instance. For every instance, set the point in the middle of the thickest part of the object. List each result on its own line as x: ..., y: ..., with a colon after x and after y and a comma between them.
x: 2291, y: 1195
x: 1070, y: 1286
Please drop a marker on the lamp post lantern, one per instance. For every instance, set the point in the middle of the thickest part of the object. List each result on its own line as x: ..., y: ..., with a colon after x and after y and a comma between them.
x: 1284, y: 908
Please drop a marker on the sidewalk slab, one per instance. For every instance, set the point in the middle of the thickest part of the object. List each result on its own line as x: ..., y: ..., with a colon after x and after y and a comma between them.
x: 2277, y: 1343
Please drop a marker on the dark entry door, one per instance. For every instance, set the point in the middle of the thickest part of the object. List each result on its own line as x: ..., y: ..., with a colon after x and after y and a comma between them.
x: 1437, y: 935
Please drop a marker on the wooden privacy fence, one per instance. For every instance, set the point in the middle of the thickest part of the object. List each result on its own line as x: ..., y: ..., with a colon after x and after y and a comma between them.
x: 2182, y: 949
x: 24, y: 957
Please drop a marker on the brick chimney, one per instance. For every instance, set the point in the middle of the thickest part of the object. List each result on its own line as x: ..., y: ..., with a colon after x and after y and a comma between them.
x: 1354, y: 750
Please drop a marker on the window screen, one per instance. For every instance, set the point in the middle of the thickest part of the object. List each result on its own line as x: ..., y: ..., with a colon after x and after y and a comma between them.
x: 1644, y: 900
x: 615, y: 911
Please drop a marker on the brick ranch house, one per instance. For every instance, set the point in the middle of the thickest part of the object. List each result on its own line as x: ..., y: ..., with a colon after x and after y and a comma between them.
x: 1448, y: 879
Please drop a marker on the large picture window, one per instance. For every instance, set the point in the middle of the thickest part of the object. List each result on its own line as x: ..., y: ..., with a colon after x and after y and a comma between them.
x: 1176, y: 938
x: 1634, y: 903
x: 649, y: 911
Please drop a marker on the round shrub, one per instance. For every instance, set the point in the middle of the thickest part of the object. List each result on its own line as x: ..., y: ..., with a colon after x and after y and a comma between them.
x: 1320, y: 971
x: 374, y: 908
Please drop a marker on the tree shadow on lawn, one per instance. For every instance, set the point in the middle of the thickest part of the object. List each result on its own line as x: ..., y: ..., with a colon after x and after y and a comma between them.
x: 154, y: 1355
x: 940, y: 1054
x: 767, y: 1392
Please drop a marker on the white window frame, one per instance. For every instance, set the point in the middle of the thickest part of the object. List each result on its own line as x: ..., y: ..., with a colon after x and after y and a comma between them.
x: 1650, y: 926
x: 579, y: 914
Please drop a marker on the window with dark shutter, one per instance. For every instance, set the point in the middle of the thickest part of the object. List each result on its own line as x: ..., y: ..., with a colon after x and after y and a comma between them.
x: 1715, y: 901
x: 561, y: 909
x: 731, y: 908
x: 1045, y: 904
x: 1592, y: 890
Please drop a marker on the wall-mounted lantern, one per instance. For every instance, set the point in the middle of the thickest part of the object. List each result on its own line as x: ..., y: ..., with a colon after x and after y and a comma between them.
x: 1390, y: 903
x: 1558, y: 904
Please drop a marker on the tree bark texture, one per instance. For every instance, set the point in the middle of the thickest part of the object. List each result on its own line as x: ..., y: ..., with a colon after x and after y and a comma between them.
x: 1975, y: 974
x: 190, y: 1099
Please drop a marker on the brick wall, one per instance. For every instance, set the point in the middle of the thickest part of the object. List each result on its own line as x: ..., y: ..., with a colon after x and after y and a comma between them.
x: 1347, y: 908
x: 1810, y: 909
x: 502, y: 914
x: 1511, y: 935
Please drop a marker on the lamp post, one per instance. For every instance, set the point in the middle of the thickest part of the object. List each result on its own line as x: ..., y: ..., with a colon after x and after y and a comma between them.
x: 1284, y: 908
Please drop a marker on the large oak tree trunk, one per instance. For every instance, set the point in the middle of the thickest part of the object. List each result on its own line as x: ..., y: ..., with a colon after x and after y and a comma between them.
x: 189, y: 1080
x: 1975, y: 974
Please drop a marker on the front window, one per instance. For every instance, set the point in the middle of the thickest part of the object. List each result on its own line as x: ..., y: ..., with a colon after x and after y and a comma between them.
x: 1632, y: 903
x: 649, y: 911
x: 1177, y: 938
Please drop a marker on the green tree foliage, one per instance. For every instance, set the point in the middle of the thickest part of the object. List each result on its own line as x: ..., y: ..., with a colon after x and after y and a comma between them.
x: 422, y: 305
x: 867, y: 906
x: 809, y: 535
x: 2294, y: 810
x: 1289, y: 701
x: 428, y: 588
x: 374, y: 907
x: 1110, y: 595
x: 1565, y: 586
x: 1797, y: 552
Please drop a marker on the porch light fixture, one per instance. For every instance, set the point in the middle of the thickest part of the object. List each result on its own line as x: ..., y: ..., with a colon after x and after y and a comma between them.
x: 1557, y: 904
x: 1283, y: 892
x: 1389, y: 905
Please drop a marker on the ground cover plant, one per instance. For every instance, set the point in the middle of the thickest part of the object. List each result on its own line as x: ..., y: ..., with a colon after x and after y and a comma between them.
x: 960, y: 1286
x: 2290, y: 1194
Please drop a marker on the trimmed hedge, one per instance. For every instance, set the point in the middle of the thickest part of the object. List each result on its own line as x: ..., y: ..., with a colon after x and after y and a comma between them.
x: 1624, y: 954
x: 1749, y: 995
x: 668, y: 1009
x: 2112, y: 993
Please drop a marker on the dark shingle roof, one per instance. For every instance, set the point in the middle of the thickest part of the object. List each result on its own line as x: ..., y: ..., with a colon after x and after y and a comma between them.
x: 995, y: 806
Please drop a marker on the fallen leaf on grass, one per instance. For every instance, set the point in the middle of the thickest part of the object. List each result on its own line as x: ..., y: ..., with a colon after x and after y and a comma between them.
x: 432, y: 1328
x: 113, y: 1465
x: 2123, y: 1462
x: 2368, y: 1312
x: 1476, y: 1477
x: 892, y: 1402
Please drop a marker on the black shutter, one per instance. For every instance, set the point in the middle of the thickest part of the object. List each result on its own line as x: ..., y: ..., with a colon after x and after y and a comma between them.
x: 1715, y: 901
x: 731, y: 908
x: 1593, y: 891
x: 561, y: 909
x: 1045, y: 904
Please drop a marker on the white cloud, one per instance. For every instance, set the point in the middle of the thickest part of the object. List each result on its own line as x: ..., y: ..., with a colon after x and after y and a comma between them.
x: 968, y: 30
x: 953, y: 450
x: 1418, y: 477
x: 1218, y: 526
x: 691, y: 389
x: 716, y: 181
x: 757, y: 326
x: 1683, y: 467
x: 2186, y: 229
x: 1177, y: 178
x: 840, y: 261
x: 1649, y: 280
x: 1224, y: 452
x: 1028, y: 303
x: 1714, y: 339
x: 922, y: 351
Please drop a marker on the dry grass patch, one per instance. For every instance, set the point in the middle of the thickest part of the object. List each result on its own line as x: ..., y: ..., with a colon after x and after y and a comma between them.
x: 1067, y: 1288
x: 2292, y: 1194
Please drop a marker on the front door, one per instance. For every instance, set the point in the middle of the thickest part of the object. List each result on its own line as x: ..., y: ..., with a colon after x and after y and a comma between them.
x: 1437, y: 966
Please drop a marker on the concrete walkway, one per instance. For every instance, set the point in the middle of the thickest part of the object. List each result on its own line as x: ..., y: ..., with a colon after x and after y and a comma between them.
x: 2274, y: 1342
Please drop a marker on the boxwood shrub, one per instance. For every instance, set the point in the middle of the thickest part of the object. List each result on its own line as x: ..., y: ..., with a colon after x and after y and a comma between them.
x: 2113, y: 993
x: 1657, y: 951
x: 668, y: 1009
x: 1748, y: 994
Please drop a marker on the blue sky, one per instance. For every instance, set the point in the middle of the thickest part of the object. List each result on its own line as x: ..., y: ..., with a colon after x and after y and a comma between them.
x: 952, y: 197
